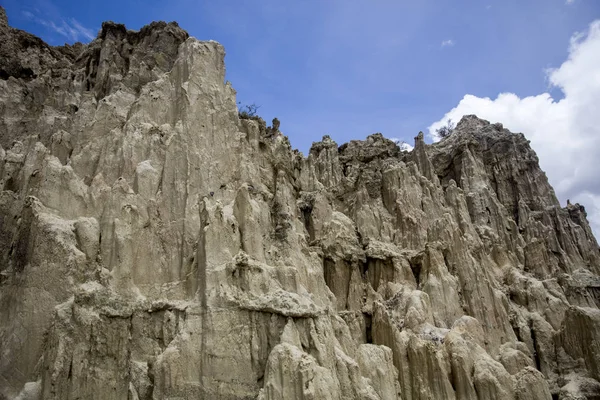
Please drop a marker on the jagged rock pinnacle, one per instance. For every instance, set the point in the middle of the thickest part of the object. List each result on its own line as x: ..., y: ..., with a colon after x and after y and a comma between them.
x: 153, y: 245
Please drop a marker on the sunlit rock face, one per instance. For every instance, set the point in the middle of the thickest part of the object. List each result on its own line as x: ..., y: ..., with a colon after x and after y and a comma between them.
x: 153, y: 245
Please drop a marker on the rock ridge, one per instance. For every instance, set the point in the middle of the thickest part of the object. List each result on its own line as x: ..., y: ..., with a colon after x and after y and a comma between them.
x: 155, y: 245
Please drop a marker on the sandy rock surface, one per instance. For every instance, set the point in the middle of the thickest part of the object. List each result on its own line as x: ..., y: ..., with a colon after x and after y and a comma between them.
x: 153, y: 245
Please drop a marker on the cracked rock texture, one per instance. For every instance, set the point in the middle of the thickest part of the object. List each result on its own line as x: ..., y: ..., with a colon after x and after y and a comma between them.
x: 153, y: 245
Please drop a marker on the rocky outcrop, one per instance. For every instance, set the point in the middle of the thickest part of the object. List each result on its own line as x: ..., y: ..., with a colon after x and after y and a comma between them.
x: 153, y: 245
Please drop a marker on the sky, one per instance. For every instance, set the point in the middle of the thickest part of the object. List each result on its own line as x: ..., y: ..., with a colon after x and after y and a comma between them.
x: 350, y: 68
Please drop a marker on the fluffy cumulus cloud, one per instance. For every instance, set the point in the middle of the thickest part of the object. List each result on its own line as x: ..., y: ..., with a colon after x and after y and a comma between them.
x: 565, y: 133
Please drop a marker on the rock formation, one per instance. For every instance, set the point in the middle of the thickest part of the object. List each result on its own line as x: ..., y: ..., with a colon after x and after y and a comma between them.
x: 153, y: 245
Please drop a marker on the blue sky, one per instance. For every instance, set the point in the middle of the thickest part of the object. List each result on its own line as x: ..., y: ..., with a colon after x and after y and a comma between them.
x: 350, y: 68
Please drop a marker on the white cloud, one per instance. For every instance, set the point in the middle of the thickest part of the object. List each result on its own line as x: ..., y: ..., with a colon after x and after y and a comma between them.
x: 71, y: 28
x: 81, y: 30
x: 570, y: 1
x: 448, y: 43
x: 564, y: 133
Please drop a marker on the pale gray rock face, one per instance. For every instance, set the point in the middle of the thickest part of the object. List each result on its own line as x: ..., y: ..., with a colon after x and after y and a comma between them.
x: 153, y: 245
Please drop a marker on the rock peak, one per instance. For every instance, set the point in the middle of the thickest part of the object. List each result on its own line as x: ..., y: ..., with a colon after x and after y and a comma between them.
x: 110, y: 28
x: 471, y: 123
x: 156, y: 28
x: 3, y: 18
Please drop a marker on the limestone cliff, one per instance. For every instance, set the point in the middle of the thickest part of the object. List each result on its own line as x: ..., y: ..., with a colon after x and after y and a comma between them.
x: 153, y: 245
